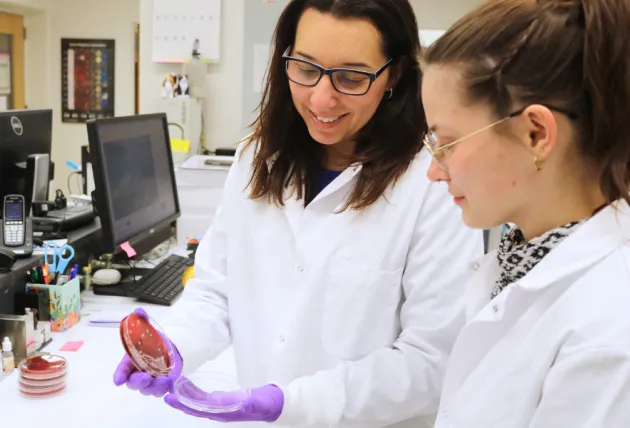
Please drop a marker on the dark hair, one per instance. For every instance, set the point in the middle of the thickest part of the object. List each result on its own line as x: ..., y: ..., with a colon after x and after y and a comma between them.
x: 568, y: 53
x: 386, y: 145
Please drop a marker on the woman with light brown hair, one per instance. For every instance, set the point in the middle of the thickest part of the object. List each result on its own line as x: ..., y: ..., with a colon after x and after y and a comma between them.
x: 528, y: 107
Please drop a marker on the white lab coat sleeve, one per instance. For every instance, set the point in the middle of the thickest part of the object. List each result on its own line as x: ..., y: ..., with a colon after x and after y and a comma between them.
x: 198, y: 323
x: 403, y: 381
x: 587, y: 389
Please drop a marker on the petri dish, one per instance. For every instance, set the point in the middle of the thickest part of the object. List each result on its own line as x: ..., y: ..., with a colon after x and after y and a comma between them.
x: 143, y: 341
x: 43, y: 366
x: 42, y: 382
x: 43, y: 377
x: 51, y: 392
x: 195, y: 398
x: 41, y: 389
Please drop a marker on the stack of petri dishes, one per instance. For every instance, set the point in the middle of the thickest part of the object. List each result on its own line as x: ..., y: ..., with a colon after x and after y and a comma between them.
x: 42, y: 376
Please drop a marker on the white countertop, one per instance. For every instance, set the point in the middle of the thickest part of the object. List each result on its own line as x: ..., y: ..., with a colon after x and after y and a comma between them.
x: 91, y: 399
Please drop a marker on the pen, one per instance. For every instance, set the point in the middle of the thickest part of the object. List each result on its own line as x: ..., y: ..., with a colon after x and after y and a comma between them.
x: 45, y: 273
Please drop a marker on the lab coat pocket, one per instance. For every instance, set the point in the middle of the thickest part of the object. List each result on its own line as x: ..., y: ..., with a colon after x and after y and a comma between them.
x: 361, y: 309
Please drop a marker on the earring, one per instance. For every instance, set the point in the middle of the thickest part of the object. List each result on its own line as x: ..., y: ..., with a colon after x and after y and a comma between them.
x: 389, y: 93
x: 538, y: 164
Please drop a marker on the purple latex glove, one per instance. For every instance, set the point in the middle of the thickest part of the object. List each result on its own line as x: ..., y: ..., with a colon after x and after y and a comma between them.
x: 127, y: 374
x: 263, y: 404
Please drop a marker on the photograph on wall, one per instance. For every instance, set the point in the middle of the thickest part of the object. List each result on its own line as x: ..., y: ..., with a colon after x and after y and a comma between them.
x: 87, y: 79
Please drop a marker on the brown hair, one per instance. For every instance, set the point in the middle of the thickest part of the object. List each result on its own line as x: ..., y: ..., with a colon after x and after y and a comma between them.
x: 568, y: 53
x: 388, y: 142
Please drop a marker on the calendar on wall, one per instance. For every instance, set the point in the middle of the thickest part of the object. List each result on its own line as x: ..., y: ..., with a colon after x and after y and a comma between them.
x: 181, y: 26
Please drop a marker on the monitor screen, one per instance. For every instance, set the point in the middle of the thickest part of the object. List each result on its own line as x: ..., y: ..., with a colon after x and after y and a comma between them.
x: 137, y: 173
x: 22, y: 133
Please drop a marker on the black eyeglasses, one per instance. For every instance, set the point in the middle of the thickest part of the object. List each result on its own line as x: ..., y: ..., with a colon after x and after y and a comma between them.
x: 345, y: 80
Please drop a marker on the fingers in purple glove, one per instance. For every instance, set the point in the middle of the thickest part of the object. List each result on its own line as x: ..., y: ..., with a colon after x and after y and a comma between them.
x: 158, y: 387
x: 141, y: 313
x: 123, y: 371
x: 139, y: 380
x: 263, y: 404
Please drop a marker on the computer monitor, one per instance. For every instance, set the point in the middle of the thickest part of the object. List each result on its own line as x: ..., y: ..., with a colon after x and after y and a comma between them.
x: 22, y: 133
x: 135, y: 193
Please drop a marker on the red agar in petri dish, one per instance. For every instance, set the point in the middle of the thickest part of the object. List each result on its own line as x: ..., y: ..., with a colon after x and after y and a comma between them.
x: 43, y: 366
x: 42, y: 382
x: 43, y: 394
x: 41, y: 388
x: 143, y: 343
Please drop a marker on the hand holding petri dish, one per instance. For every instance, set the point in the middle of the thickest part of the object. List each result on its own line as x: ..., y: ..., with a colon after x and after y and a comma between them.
x: 146, y: 345
x: 152, y: 352
x: 225, y: 397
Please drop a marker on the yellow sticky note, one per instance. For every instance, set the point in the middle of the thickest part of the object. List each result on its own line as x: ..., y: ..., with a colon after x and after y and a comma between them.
x: 180, y: 145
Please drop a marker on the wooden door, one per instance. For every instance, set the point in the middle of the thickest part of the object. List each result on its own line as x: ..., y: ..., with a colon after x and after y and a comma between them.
x: 12, y: 75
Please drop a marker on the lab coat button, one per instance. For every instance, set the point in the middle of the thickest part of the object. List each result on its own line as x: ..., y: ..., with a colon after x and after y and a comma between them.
x: 495, y: 308
x: 300, y: 268
x: 474, y: 266
x: 281, y: 339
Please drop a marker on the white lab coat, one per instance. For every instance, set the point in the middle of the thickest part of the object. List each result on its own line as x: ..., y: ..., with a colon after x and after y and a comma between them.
x: 352, y: 314
x: 553, y: 349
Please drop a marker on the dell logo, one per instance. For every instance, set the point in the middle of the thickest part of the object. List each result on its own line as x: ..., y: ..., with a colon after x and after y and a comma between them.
x: 16, y: 125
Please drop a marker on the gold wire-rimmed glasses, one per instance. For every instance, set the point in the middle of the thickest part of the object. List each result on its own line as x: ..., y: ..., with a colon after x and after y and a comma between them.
x: 437, y: 152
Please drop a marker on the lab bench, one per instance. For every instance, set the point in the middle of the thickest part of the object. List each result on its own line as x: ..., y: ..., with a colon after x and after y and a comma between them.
x: 91, y: 398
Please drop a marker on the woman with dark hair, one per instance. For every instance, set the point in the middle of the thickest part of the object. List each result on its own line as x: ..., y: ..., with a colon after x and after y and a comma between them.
x: 334, y: 267
x: 528, y: 103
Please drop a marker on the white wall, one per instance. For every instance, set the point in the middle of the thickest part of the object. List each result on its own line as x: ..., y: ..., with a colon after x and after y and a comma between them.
x: 223, y: 105
x: 432, y: 14
x: 22, y: 6
x: 47, y: 21
x: 46, y: 26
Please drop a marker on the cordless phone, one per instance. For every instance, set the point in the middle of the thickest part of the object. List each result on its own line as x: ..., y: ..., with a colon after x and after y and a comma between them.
x: 14, y: 221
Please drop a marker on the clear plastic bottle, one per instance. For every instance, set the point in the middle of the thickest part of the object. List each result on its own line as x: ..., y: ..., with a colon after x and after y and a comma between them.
x: 8, y: 361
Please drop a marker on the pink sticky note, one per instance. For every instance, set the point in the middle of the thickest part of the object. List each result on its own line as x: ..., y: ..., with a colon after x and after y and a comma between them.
x: 72, y: 346
x: 126, y: 247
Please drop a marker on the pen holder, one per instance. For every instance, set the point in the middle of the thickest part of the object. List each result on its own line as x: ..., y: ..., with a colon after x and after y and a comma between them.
x: 65, y: 303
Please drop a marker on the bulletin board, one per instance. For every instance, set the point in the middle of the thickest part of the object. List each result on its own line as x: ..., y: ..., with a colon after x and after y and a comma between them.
x: 87, y: 79
x: 183, y: 25
x: 261, y: 17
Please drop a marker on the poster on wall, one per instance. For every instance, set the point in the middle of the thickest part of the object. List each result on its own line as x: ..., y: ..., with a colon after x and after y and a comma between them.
x: 87, y: 79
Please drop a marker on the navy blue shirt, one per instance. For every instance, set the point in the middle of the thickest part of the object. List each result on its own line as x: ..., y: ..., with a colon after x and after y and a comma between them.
x: 324, y: 178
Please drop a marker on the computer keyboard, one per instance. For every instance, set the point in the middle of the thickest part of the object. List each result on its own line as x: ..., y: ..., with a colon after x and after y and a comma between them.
x: 162, y: 284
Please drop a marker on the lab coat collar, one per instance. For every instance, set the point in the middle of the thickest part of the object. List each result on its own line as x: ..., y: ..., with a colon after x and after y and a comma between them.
x: 271, y: 160
x: 594, y: 240
x: 346, y: 176
x: 294, y: 208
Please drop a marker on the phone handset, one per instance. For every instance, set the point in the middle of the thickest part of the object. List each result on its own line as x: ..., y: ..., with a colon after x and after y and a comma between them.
x: 14, y: 221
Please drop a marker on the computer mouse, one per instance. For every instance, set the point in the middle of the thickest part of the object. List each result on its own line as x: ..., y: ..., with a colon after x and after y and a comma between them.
x: 106, y: 277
